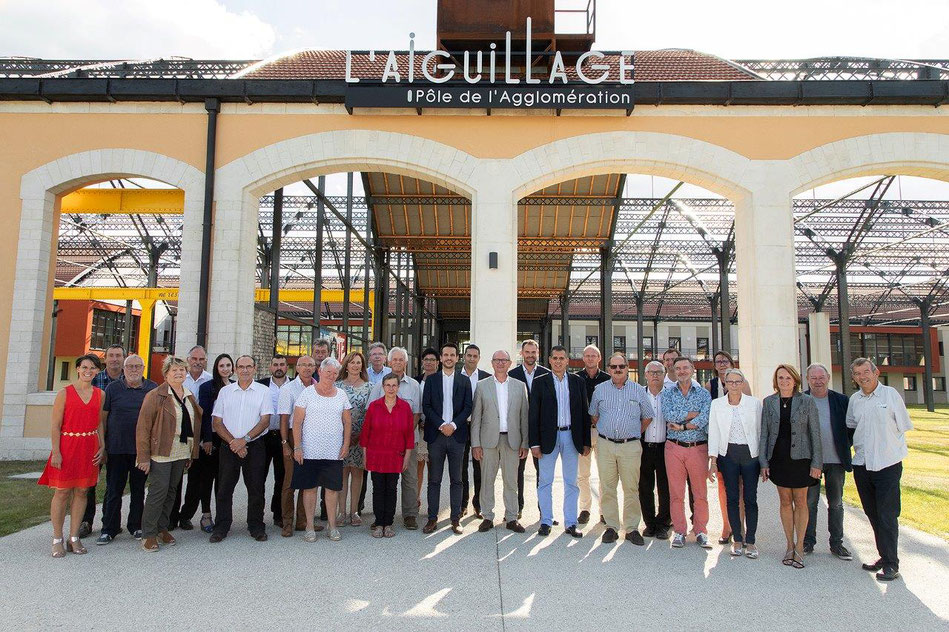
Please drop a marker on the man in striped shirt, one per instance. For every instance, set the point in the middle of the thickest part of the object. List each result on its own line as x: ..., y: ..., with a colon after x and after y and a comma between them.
x: 620, y: 410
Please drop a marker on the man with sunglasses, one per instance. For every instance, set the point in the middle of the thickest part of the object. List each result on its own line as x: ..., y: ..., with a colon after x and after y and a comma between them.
x: 620, y: 411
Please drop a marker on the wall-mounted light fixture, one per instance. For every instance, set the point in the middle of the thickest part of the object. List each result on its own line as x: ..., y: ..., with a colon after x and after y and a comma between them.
x: 493, y: 260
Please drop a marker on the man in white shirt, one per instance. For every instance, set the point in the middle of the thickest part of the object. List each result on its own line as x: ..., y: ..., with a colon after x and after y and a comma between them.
x: 197, y: 365
x: 289, y: 392
x: 880, y: 421
x: 471, y: 371
x: 527, y: 372
x: 241, y: 415
x: 652, y: 470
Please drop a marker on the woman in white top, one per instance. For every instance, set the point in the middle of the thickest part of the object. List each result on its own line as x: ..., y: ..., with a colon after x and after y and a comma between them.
x: 734, y: 425
x: 321, y: 434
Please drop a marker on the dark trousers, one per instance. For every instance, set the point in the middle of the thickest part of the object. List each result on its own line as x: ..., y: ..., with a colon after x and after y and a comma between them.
x: 652, y: 476
x: 439, y: 450
x: 520, y: 481
x: 834, y: 476
x: 384, y: 497
x: 163, y: 478
x: 119, y: 470
x: 89, y: 515
x: 466, y: 487
x: 201, y: 477
x: 738, y: 467
x: 880, y: 496
x: 273, y: 450
x: 231, y: 468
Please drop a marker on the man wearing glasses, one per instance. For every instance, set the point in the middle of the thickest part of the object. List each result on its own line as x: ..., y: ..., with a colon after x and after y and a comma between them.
x: 652, y: 471
x: 620, y: 411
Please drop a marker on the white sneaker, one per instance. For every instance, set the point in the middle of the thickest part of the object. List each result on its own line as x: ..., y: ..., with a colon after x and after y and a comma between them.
x: 678, y: 541
x: 703, y: 542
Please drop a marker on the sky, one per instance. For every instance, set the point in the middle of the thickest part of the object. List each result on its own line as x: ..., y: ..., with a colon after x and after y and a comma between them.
x: 245, y: 29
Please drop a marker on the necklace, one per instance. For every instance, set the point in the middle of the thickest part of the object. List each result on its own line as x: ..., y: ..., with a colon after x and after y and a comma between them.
x: 786, y: 401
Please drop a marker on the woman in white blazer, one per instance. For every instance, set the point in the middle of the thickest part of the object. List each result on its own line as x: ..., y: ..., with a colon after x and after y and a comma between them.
x: 734, y: 427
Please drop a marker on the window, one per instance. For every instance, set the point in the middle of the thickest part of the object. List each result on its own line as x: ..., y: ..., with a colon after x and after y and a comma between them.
x: 108, y: 328
x: 939, y: 383
x: 701, y: 348
x: 293, y: 340
x: 675, y: 342
x: 619, y: 343
x: 64, y: 371
x: 647, y: 351
x: 909, y: 383
x: 885, y: 380
x: 593, y: 340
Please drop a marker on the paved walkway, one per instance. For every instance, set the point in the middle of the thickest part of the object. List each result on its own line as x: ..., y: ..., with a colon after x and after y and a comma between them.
x: 476, y: 581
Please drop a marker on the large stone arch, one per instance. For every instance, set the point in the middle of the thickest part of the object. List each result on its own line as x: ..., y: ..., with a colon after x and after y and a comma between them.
x: 240, y: 183
x: 39, y: 191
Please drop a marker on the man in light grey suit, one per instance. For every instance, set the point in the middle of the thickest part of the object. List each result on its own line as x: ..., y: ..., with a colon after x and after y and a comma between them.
x: 499, y: 438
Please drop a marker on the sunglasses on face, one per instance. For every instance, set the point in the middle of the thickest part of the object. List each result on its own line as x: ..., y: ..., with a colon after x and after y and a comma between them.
x: 617, y: 366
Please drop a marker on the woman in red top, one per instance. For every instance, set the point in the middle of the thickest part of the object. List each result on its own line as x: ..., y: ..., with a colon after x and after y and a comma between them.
x: 78, y: 438
x: 387, y: 438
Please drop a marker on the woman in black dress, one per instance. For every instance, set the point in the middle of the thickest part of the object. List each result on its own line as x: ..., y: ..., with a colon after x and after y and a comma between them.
x: 790, y: 454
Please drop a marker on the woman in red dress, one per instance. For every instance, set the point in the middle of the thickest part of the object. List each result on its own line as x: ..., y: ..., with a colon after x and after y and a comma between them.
x: 78, y: 438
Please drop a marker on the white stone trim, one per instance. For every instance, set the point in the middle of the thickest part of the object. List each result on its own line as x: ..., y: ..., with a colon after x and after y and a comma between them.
x: 39, y: 189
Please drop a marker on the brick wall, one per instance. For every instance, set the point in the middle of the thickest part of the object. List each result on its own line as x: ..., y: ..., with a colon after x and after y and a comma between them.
x: 264, y: 322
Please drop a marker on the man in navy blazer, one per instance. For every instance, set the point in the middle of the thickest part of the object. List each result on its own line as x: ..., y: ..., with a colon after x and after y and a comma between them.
x: 559, y: 425
x: 836, y: 439
x: 526, y: 373
x: 446, y: 432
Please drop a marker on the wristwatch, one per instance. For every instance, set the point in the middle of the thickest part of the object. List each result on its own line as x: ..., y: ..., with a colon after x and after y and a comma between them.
x: 246, y: 438
x: 284, y: 441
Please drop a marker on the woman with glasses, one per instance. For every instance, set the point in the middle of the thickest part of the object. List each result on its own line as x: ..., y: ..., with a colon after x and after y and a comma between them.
x: 733, y: 432
x: 724, y: 362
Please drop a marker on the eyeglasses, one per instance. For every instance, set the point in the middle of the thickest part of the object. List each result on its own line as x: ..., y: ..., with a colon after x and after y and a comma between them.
x: 655, y: 372
x: 733, y: 382
x: 501, y: 360
x: 617, y: 366
x: 722, y: 361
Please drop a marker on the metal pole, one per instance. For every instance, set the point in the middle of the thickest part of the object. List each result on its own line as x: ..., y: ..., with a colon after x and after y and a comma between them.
x: 843, y: 315
x: 366, y: 333
x: 924, y: 307
x: 606, y: 302
x: 418, y: 316
x: 399, y: 310
x: 347, y: 258
x: 127, y: 332
x: 715, y: 338
x: 724, y: 301
x: 640, y: 352
x: 213, y: 106
x: 565, y: 322
x: 51, y: 363
x: 318, y: 267
x: 276, y: 235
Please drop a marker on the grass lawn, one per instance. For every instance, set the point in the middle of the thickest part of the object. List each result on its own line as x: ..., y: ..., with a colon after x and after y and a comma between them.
x: 24, y: 502
x: 925, y: 482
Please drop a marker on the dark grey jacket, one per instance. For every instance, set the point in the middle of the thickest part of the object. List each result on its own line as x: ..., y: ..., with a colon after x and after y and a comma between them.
x: 805, y: 429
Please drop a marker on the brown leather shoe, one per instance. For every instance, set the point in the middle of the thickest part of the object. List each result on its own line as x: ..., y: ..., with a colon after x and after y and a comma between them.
x: 150, y: 544
x: 514, y: 526
x: 486, y: 525
x: 410, y: 523
x: 287, y: 531
x: 455, y: 527
x: 167, y: 538
x: 429, y: 527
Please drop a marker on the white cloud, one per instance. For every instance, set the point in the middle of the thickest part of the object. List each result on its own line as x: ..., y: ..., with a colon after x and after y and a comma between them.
x: 104, y: 29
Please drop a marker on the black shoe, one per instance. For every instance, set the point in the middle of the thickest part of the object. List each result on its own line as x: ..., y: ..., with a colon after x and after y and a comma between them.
x: 215, y: 538
x: 724, y: 541
x: 610, y: 536
x: 662, y: 534
x: 185, y: 525
x: 572, y: 531
x: 486, y: 525
x: 556, y: 522
x: 888, y: 575
x: 841, y: 552
x: 649, y: 532
x: 635, y: 538
x: 260, y: 537
x: 85, y: 529
x: 278, y: 522
x: 808, y: 548
x: 544, y: 530
x: 584, y: 517
x: 514, y: 526
x: 876, y: 566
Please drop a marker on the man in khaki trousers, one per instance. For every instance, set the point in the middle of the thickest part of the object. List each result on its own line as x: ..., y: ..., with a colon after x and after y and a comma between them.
x: 620, y: 410
x: 499, y: 438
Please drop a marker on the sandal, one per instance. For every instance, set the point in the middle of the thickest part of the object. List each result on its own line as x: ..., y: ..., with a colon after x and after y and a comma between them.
x: 58, y: 550
x: 378, y: 532
x: 388, y: 532
x: 75, y: 546
x: 737, y: 549
x: 342, y: 520
x: 356, y: 521
x: 788, y: 557
x: 797, y: 561
x: 725, y: 539
x: 751, y: 552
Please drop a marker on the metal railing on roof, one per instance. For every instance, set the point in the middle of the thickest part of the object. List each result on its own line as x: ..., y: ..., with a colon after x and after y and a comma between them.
x: 847, y: 69
x: 169, y: 68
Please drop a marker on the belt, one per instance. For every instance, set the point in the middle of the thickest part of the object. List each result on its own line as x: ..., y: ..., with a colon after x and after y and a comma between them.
x: 653, y: 443
x: 619, y: 440
x: 504, y: 433
x: 80, y: 434
x: 687, y: 444
x: 563, y: 428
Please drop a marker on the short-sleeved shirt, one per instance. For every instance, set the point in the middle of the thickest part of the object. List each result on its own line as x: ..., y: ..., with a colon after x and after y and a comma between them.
x: 123, y: 403
x: 881, y: 422
x: 322, y: 427
x: 289, y: 393
x: 620, y: 411
x: 194, y: 385
x: 241, y: 409
x: 103, y: 379
x: 409, y: 390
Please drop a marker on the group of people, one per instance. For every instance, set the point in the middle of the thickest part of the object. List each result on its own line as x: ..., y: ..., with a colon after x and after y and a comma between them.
x: 335, y: 420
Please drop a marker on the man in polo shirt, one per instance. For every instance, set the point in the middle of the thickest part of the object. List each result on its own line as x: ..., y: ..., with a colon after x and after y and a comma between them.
x: 123, y: 401
x: 289, y: 392
x: 241, y: 415
x: 685, y: 409
x: 114, y: 357
x: 592, y: 376
x: 880, y: 421
x: 652, y: 470
x: 620, y: 411
x: 409, y: 391
x: 272, y: 446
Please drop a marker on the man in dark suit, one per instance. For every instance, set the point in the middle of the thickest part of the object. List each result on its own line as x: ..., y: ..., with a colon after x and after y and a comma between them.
x: 273, y: 444
x: 526, y: 373
x: 471, y: 371
x: 836, y: 439
x: 446, y: 404
x: 559, y: 425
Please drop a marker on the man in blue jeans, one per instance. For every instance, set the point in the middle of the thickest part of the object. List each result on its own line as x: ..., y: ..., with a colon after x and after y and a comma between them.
x: 836, y: 439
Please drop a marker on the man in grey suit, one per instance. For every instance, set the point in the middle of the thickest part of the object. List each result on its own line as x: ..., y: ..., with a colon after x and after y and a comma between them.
x: 499, y: 438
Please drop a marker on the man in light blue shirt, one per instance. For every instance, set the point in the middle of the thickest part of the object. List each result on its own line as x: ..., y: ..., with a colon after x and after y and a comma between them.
x: 377, y: 363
